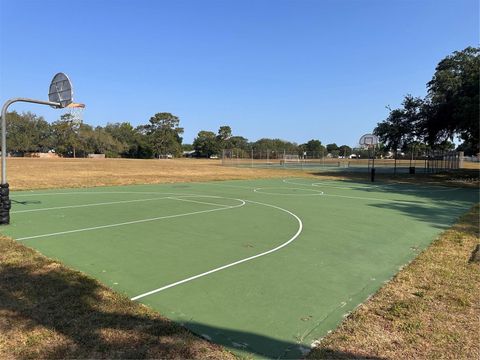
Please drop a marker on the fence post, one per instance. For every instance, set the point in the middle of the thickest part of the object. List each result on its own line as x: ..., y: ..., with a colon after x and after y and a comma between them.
x: 395, y: 163
x: 460, y: 159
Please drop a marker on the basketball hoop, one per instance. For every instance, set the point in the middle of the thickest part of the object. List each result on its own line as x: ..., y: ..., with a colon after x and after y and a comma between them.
x: 60, y: 96
x: 75, y: 110
x: 368, y: 141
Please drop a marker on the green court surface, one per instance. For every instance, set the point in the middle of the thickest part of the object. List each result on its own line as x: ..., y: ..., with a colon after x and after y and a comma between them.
x: 262, y: 267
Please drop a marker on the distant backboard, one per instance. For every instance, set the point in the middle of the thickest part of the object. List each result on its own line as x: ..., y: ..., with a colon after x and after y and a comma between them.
x: 61, y: 90
x: 368, y: 140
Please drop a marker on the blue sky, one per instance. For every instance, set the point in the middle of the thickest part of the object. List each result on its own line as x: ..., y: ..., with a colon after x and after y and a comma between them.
x: 289, y: 69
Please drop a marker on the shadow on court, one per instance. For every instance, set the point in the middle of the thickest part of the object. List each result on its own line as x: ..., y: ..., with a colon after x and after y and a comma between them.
x: 432, y: 203
x: 274, y: 348
x: 26, y: 202
x: 51, y: 312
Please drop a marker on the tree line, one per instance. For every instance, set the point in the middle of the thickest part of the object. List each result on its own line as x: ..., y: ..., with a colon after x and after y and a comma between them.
x: 160, y: 137
x: 29, y: 133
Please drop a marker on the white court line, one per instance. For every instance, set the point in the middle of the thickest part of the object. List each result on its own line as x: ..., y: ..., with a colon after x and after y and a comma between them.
x: 88, y: 205
x: 300, y: 227
x: 370, y: 198
x: 115, y: 202
x: 131, y: 222
x: 286, y: 181
x: 14, y: 194
x: 331, y: 195
x: 257, y: 190
x: 199, y: 202
x: 366, y: 198
x: 225, y: 185
x: 369, y: 186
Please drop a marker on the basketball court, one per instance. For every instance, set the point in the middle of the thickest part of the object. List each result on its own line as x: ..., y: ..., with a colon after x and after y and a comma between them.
x: 262, y: 267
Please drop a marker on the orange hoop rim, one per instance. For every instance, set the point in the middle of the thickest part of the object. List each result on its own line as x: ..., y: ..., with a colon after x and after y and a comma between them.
x: 75, y: 105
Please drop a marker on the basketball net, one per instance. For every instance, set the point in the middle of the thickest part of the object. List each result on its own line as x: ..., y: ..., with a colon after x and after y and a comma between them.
x: 368, y: 146
x: 75, y: 110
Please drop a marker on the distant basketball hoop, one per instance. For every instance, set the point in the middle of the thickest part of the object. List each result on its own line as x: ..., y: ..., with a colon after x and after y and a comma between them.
x: 369, y: 141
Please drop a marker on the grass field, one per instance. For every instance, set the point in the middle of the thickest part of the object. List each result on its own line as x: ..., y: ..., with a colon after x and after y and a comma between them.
x: 29, y: 173
x: 263, y: 267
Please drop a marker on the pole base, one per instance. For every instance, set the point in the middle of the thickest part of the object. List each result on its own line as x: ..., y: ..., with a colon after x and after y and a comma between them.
x: 5, y: 204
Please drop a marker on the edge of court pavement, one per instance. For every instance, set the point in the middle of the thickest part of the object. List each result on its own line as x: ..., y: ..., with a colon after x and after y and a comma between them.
x: 426, y: 310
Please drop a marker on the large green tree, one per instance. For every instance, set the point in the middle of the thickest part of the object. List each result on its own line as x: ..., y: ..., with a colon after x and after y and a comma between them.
x: 27, y: 132
x: 451, y: 108
x: 223, y: 136
x: 206, y: 144
x: 276, y: 147
x: 314, y: 148
x: 345, y: 150
x: 453, y: 95
x: 66, y: 136
x: 238, y: 142
x: 403, y: 125
x: 102, y: 142
x: 332, y: 147
x: 163, y: 132
x: 134, y: 142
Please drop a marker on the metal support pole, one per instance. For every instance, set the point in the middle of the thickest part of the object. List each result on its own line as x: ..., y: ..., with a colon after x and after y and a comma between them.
x: 395, y: 163
x: 5, y: 203
x: 4, y: 128
x: 368, y: 161
x: 372, y: 178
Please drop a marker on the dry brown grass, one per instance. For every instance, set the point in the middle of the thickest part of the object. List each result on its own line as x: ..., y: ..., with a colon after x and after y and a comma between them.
x: 471, y: 165
x: 31, y: 173
x: 48, y: 311
x: 430, y: 310
x: 34, y: 173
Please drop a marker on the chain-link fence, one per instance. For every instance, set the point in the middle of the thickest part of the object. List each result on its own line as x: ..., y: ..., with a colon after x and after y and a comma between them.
x: 276, y: 159
x: 432, y: 161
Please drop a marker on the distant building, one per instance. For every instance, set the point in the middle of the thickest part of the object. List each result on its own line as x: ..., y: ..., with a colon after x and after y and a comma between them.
x: 49, y: 154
